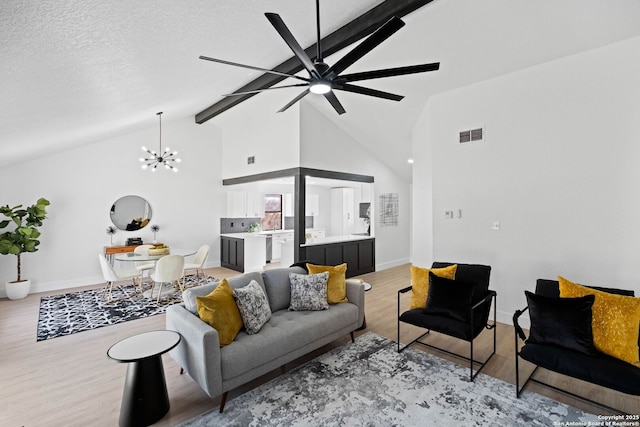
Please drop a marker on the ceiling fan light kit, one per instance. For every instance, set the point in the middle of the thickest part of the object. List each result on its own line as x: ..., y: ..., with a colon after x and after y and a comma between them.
x: 324, y: 79
x: 164, y: 158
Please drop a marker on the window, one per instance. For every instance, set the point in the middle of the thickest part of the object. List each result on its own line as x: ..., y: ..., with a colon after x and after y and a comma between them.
x: 272, y: 219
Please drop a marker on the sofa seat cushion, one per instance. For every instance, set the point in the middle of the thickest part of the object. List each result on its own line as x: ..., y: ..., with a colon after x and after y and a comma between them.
x: 286, y: 331
x: 603, y: 370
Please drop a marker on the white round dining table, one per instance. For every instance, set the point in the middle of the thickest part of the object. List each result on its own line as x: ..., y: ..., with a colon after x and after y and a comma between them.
x: 132, y: 256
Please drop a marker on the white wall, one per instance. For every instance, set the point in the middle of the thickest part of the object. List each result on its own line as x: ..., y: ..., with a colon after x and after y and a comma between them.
x: 559, y: 171
x: 83, y: 183
x: 254, y: 128
x: 324, y: 145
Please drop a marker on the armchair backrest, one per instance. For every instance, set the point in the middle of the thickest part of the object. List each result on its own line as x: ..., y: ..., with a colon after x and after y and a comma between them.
x: 471, y: 273
x: 551, y: 288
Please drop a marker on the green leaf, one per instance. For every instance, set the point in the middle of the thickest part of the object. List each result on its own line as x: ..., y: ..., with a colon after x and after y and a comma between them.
x: 25, y: 231
x: 5, y: 245
x: 30, y: 246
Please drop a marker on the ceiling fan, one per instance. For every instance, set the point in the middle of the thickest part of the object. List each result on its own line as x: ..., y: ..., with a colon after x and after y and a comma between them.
x: 324, y: 79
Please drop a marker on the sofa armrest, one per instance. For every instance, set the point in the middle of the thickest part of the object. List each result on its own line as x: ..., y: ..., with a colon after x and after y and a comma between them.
x: 355, y: 295
x: 199, y: 350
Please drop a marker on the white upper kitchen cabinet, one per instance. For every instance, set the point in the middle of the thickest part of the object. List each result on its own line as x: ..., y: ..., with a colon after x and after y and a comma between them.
x: 243, y: 204
x: 288, y: 205
x: 236, y: 204
x: 342, y: 211
x: 312, y: 205
x: 255, y: 204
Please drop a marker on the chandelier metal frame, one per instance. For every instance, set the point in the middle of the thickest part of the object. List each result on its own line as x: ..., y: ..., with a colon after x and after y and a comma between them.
x: 165, y: 158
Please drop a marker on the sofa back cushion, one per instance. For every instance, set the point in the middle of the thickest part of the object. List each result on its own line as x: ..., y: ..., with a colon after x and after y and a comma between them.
x: 278, y: 288
x: 189, y: 295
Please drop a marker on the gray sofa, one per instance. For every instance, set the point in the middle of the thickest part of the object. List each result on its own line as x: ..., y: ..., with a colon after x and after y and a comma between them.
x: 285, y: 337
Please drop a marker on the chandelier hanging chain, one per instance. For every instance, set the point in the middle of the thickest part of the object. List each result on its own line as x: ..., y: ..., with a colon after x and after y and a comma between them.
x: 165, y: 157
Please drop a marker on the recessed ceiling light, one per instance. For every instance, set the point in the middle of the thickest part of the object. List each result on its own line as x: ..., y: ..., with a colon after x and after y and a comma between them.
x: 410, y: 161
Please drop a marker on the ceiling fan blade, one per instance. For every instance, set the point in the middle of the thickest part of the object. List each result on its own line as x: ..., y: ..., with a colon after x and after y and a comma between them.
x: 293, y: 44
x: 389, y: 72
x: 264, y: 90
x: 251, y: 67
x: 367, y: 91
x: 333, y: 100
x: 380, y: 35
x: 294, y: 100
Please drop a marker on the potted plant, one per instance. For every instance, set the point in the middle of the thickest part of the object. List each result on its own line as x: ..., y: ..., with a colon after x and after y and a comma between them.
x: 23, y: 238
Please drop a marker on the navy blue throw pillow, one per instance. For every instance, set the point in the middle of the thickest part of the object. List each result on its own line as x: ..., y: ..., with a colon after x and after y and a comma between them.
x: 450, y: 298
x: 563, y: 322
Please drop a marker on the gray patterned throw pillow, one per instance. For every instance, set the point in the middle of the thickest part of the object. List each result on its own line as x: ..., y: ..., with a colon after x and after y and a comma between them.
x: 308, y: 291
x: 253, y: 306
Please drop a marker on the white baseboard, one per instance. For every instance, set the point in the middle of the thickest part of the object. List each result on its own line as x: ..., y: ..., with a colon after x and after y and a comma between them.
x: 57, y: 285
x: 390, y: 264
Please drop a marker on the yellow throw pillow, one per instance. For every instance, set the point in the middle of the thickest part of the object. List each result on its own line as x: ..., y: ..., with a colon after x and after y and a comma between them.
x: 219, y: 310
x: 336, y: 286
x: 615, y: 321
x: 420, y: 282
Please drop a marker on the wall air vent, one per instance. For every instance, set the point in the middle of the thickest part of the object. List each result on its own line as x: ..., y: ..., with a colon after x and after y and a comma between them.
x: 251, y: 160
x: 472, y: 135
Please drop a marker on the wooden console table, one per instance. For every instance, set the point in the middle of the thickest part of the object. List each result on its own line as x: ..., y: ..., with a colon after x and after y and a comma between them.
x: 110, y: 251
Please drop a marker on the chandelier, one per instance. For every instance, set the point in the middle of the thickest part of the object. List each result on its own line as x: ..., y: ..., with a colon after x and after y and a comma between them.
x: 166, y: 157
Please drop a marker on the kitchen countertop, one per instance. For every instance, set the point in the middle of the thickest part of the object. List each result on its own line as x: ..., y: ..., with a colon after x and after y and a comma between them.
x: 336, y: 239
x: 259, y: 234
x: 244, y: 235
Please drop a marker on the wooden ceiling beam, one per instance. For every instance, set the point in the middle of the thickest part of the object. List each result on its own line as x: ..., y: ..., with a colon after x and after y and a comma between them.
x: 339, y: 39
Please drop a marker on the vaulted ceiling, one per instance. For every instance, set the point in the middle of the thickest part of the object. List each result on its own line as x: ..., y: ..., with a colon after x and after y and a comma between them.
x: 74, y: 73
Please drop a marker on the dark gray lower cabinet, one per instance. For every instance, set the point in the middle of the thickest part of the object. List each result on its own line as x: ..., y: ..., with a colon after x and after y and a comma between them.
x: 232, y: 253
x: 359, y: 255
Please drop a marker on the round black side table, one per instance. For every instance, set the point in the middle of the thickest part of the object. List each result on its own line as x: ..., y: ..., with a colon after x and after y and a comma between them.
x: 145, y: 399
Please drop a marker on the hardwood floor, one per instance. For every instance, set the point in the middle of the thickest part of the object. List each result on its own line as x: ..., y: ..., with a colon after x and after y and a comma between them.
x: 70, y: 381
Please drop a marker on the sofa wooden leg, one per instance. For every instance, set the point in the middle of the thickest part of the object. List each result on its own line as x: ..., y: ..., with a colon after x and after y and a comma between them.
x: 181, y: 370
x: 352, y: 338
x: 223, y: 401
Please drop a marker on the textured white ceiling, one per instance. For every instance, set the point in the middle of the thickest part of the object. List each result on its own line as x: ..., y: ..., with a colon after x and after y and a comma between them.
x: 75, y: 72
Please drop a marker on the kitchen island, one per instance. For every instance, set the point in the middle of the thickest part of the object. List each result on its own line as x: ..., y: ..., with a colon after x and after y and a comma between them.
x: 243, y: 252
x: 357, y: 251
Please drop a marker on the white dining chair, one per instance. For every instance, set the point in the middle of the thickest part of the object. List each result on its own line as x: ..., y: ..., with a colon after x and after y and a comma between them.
x: 169, y: 269
x: 198, y: 262
x: 143, y: 266
x: 111, y: 275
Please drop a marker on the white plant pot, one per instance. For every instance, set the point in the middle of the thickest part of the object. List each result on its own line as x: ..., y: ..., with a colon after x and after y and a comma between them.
x: 18, y: 290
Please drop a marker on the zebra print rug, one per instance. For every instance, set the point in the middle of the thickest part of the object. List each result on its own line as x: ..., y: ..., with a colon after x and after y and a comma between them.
x: 74, y: 312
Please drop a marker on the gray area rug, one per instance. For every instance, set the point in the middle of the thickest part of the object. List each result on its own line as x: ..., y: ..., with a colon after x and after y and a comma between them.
x: 368, y: 383
x: 74, y: 312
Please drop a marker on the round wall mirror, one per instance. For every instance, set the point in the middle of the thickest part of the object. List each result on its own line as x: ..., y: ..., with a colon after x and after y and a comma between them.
x: 130, y: 213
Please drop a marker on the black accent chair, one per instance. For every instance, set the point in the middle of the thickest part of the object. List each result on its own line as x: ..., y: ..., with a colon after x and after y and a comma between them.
x: 599, y: 369
x: 479, y: 310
